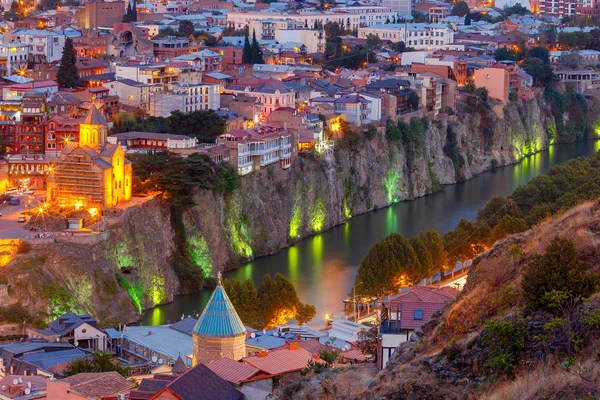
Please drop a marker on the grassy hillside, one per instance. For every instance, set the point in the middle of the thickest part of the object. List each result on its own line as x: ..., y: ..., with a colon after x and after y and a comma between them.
x: 495, y: 341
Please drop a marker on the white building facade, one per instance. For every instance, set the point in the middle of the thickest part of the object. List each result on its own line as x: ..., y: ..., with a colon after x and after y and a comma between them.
x: 185, y: 98
x: 418, y: 36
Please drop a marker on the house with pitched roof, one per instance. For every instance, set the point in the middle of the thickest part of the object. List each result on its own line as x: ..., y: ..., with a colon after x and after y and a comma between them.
x: 80, y: 330
x: 37, y: 357
x: 198, y: 383
x: 404, y: 312
x: 90, y: 385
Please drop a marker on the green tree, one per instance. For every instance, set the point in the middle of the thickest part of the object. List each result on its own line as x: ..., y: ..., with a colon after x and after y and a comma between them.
x: 507, y: 225
x: 256, y: 51
x: 98, y: 361
x: 134, y: 12
x: 557, y: 270
x: 305, y: 313
x: 435, y: 246
x: 465, y: 242
x: 539, y: 52
x: 333, y: 29
x: 419, y: 17
x: 503, y: 53
x: 413, y: 101
x: 67, y: 74
x: 186, y: 27
x: 371, y: 131
x: 127, y: 15
x: 377, y: 273
x: 247, y: 52
x: 493, y: 211
x: 187, y: 124
x: 517, y: 9
x: 504, y: 340
x: 542, y: 73
x: 392, y: 132
x: 373, y: 42
x: 460, y: 9
x: 468, y: 19
x: 425, y: 260
x: 279, y: 301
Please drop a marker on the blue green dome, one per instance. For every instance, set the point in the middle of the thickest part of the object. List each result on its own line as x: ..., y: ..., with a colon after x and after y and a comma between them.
x: 219, y: 318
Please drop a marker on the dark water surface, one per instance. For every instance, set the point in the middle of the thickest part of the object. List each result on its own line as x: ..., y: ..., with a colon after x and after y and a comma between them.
x: 323, y: 267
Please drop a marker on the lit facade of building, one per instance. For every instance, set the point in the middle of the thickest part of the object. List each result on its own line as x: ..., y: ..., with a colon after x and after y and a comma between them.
x: 91, y: 172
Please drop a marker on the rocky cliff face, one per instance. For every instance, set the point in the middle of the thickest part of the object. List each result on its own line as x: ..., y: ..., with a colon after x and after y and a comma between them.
x: 132, y: 269
x: 275, y: 207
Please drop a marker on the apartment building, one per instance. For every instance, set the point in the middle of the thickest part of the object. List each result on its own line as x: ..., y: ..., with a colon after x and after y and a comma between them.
x: 44, y: 46
x: 562, y: 8
x: 312, y: 39
x: 91, y: 43
x: 420, y: 36
x: 356, y: 108
x: 13, y: 58
x: 265, y: 28
x: 271, y: 96
x: 239, y: 19
x: 253, y: 149
x: 159, y: 74
x: 170, y: 47
x: 371, y: 15
x: 401, y: 7
x: 204, y: 60
x: 495, y: 80
x: 588, y: 8
x: 96, y: 14
x: 185, y: 98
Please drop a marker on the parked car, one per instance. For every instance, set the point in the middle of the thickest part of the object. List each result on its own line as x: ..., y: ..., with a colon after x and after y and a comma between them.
x: 22, y: 219
x: 14, y: 201
x: 11, y: 190
x: 29, y: 191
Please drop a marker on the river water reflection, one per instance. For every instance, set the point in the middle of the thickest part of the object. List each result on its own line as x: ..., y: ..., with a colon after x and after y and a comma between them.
x: 323, y: 267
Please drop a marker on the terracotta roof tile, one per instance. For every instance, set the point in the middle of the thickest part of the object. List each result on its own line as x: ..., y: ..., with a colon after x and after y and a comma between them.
x: 282, y: 361
x: 232, y: 371
x: 98, y: 384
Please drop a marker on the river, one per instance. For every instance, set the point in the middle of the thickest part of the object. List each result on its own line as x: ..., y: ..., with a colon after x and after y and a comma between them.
x: 323, y: 267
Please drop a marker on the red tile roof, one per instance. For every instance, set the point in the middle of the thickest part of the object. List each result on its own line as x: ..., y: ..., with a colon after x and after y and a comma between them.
x: 98, y: 384
x: 354, y: 354
x: 232, y: 371
x: 282, y: 361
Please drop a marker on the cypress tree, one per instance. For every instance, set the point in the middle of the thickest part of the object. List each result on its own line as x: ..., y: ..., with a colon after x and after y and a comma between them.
x: 133, y: 16
x: 127, y: 16
x: 247, y: 53
x: 67, y: 74
x: 257, y: 55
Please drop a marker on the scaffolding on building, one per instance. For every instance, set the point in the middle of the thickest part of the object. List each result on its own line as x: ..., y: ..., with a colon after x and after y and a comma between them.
x: 78, y: 181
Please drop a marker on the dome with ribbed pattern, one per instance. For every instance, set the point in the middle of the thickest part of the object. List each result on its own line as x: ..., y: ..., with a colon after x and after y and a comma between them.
x: 219, y: 318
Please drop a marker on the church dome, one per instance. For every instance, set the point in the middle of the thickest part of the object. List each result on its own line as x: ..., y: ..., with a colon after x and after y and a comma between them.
x: 219, y: 318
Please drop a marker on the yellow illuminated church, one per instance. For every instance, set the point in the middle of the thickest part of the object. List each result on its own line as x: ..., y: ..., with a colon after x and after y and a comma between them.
x: 91, y: 172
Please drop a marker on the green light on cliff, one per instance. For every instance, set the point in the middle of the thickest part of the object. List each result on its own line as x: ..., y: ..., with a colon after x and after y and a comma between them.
x: 317, y: 217
x: 347, y: 211
x: 122, y: 257
x: 240, y: 238
x: 295, y: 222
x: 135, y: 291
x: 200, y: 254
x: 157, y: 290
x: 390, y: 183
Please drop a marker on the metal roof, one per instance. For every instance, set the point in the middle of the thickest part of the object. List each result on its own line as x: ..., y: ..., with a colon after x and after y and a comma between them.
x: 219, y: 318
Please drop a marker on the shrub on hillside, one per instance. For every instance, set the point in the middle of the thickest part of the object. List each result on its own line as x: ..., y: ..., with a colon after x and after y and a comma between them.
x: 557, y: 270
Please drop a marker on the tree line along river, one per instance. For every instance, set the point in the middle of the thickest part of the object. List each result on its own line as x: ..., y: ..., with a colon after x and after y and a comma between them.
x: 323, y: 267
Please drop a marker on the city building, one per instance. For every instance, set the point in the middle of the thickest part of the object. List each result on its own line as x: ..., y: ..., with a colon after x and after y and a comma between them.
x: 312, y: 39
x: 219, y: 332
x: 71, y: 328
x: 521, y: 83
x: 271, y: 96
x: 588, y: 8
x: 265, y: 28
x: 205, y: 60
x: 170, y: 47
x: 91, y: 43
x: 185, y: 98
x: 132, y: 93
x: 91, y: 172
x: 13, y: 58
x: 143, y: 142
x: 421, y: 36
x: 562, y: 8
x: 495, y: 80
x: 405, y: 312
x: 309, y: 18
x: 100, y: 14
x: 401, y: 7
x: 44, y: 46
x: 255, y: 148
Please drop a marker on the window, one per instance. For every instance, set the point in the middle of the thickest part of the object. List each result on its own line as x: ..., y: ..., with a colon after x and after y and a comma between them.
x: 418, y: 314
